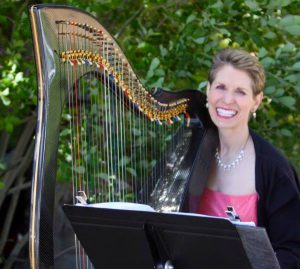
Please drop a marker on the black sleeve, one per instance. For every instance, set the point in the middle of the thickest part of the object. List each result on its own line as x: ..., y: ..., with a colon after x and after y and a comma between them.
x: 283, y: 216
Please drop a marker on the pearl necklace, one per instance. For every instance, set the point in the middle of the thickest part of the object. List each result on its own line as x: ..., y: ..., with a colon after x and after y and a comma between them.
x: 234, y: 163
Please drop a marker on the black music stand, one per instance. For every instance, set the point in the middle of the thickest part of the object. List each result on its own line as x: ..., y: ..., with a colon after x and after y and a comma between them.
x: 135, y: 239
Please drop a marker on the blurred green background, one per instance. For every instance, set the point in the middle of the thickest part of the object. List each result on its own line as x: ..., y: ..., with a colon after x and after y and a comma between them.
x: 170, y: 44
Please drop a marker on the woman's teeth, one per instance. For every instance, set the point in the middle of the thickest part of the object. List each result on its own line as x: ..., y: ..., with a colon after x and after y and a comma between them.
x: 226, y: 112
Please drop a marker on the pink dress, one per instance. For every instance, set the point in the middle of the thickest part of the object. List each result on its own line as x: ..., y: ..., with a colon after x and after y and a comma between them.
x: 215, y: 203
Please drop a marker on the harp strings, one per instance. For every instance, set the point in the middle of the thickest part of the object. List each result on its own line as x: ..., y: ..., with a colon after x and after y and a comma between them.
x: 117, y: 131
x: 75, y: 110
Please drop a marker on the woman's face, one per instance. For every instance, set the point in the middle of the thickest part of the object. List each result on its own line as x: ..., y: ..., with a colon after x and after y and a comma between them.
x: 231, y: 99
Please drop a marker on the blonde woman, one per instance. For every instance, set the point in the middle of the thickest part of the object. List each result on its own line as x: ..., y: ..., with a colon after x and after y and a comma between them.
x: 248, y: 173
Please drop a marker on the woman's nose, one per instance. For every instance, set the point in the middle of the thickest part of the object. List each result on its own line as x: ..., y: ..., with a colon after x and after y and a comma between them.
x: 228, y: 97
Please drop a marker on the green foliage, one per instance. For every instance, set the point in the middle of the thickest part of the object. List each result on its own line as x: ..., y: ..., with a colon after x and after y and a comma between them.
x: 171, y: 44
x: 17, y: 81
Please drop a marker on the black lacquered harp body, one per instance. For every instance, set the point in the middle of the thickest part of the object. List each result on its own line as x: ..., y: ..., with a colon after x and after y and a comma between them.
x: 119, y: 141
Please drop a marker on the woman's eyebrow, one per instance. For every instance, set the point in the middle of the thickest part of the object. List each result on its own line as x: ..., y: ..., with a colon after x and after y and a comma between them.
x: 220, y: 83
x: 242, y: 89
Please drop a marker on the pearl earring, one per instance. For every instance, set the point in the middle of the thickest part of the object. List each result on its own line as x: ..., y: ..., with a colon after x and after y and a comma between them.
x: 206, y: 104
x: 254, y: 115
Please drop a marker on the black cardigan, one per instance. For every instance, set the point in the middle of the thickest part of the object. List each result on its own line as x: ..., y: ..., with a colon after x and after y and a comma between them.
x: 279, y: 202
x: 278, y: 209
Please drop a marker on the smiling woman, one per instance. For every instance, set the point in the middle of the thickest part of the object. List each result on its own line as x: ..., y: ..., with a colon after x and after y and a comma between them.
x: 248, y: 173
x: 231, y: 101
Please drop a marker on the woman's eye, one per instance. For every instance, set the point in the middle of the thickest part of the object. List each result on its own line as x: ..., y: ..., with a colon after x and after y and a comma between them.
x: 220, y: 87
x: 240, y: 92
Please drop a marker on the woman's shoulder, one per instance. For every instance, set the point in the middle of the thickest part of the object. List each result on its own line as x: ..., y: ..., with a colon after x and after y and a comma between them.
x: 266, y: 152
x: 270, y: 162
x: 273, y: 171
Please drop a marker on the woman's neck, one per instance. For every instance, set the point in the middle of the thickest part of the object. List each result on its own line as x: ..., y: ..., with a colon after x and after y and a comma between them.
x: 232, y: 142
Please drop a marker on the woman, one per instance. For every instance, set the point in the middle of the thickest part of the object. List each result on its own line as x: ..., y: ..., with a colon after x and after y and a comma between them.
x: 249, y: 173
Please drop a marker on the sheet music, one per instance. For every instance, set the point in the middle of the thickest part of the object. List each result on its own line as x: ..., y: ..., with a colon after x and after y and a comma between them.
x: 144, y: 207
x: 121, y: 206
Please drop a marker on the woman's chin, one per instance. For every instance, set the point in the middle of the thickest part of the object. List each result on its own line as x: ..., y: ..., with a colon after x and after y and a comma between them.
x: 225, y: 123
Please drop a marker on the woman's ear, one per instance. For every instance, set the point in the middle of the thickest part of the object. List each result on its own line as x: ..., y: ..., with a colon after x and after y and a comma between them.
x: 257, y: 100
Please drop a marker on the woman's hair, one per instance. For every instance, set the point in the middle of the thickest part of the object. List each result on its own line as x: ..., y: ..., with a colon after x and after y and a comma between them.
x: 241, y: 60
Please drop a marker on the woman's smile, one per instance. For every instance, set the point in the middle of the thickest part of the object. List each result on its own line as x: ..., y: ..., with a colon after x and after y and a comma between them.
x: 225, y: 113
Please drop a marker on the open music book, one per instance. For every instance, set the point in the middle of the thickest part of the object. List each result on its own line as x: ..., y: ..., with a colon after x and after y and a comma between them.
x: 144, y: 207
x: 121, y: 205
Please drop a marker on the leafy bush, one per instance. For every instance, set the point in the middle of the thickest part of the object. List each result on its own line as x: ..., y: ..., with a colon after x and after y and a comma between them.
x: 171, y: 44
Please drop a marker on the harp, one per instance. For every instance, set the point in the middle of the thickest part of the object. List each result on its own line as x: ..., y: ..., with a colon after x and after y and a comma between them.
x: 102, y: 130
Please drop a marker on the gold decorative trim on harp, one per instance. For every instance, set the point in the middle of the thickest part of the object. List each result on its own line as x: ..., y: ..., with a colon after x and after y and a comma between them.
x: 138, y: 95
x: 115, y: 140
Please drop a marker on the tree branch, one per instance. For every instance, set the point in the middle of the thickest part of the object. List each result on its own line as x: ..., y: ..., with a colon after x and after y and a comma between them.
x: 133, y: 17
x: 20, y: 187
x: 11, y: 175
x: 15, y: 252
x: 27, y: 160
x: 4, y: 138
